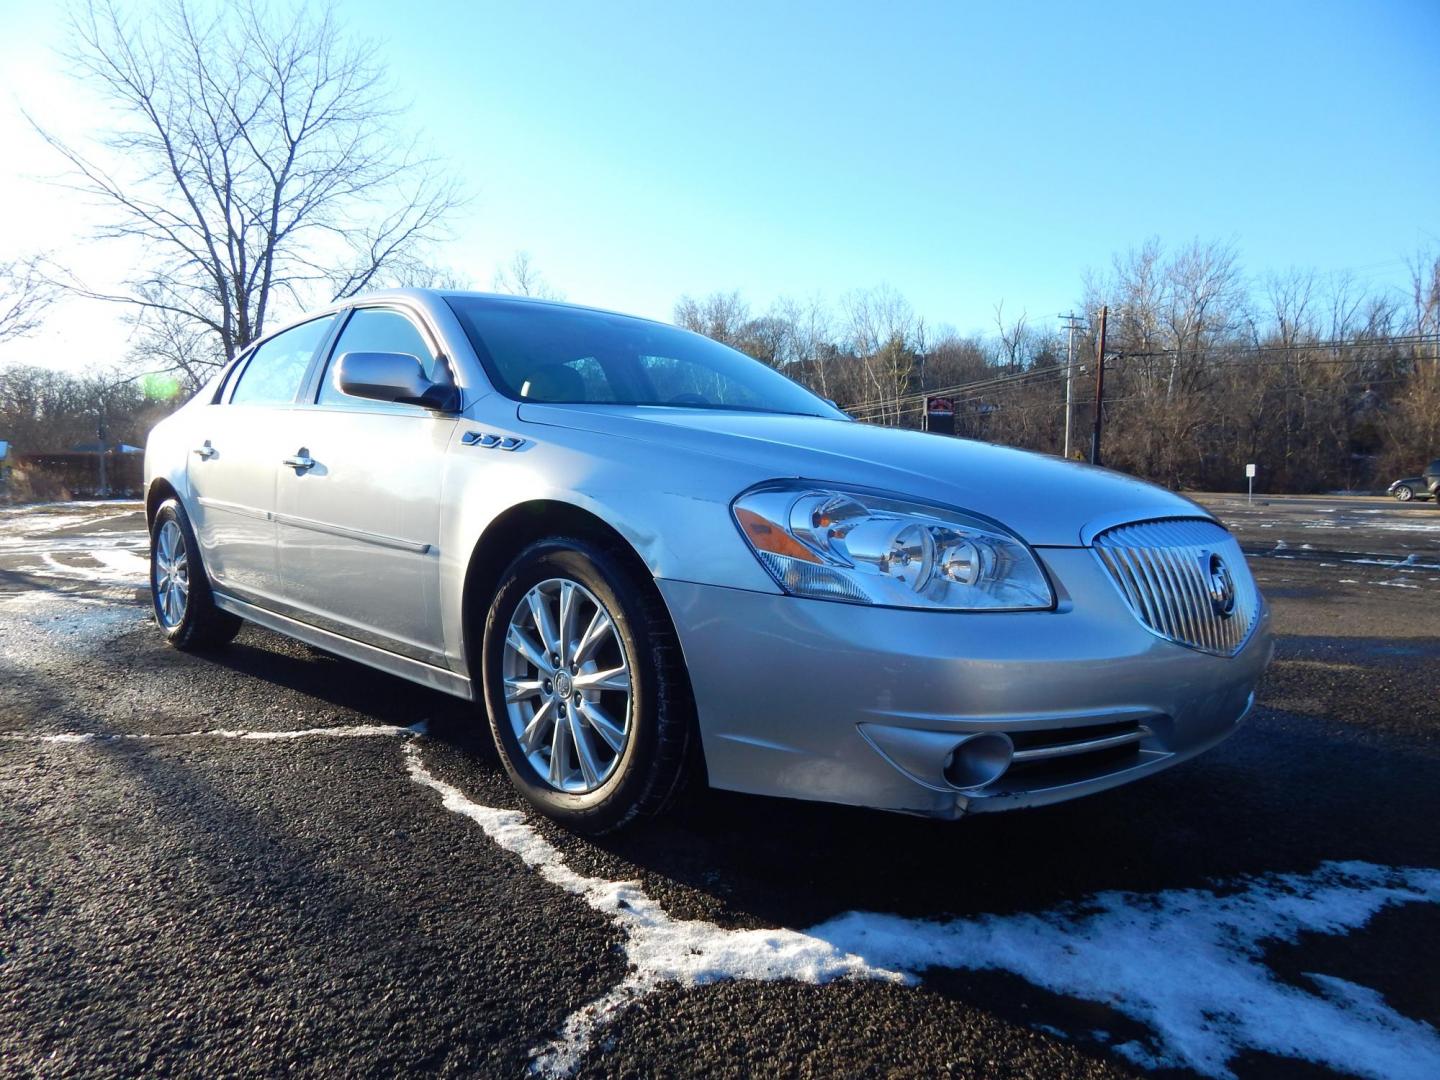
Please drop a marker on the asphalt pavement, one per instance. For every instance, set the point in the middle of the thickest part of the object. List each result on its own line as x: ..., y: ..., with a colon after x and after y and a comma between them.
x: 269, y: 860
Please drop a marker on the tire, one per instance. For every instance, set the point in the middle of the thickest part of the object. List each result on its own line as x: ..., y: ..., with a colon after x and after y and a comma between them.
x: 1405, y: 494
x: 180, y: 597
x: 635, y: 761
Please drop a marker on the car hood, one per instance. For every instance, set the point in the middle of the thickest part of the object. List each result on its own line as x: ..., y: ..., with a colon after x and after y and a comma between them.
x: 1048, y: 501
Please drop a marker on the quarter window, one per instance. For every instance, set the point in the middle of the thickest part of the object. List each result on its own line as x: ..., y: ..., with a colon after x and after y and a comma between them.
x: 275, y: 371
x: 374, y: 330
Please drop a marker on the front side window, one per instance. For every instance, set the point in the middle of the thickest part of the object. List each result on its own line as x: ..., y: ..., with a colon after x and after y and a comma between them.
x: 553, y: 353
x: 374, y: 330
x: 275, y: 371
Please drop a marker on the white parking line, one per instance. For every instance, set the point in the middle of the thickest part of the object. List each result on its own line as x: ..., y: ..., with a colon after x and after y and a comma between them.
x: 351, y: 731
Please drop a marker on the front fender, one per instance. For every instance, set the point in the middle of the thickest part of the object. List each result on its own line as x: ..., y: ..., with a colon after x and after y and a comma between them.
x: 673, y: 510
x: 166, y: 456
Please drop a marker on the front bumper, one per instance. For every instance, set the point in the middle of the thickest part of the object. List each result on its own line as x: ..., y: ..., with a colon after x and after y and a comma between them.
x: 858, y: 705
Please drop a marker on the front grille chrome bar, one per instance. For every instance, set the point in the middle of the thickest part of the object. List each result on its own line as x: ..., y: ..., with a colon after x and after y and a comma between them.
x: 1089, y: 746
x: 1185, y: 579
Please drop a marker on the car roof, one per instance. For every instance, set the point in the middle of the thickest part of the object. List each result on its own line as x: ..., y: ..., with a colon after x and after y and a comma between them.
x: 432, y: 295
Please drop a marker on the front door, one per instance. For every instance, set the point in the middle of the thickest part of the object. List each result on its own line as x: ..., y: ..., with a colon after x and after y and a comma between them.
x: 358, y: 519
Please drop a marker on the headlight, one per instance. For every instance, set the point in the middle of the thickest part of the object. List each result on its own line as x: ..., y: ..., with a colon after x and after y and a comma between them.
x: 830, y: 543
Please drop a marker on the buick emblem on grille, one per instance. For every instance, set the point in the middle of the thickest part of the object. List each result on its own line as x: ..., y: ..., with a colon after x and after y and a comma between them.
x: 1222, y: 585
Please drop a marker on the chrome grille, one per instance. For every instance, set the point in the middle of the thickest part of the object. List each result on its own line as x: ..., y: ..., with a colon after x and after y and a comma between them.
x: 1163, y: 569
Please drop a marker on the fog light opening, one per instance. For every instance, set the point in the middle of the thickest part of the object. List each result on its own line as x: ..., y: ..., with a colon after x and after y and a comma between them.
x: 978, y: 760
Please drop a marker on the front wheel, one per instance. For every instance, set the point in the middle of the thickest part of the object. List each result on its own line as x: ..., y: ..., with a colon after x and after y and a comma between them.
x: 1404, y: 494
x: 588, y: 698
x: 179, y: 588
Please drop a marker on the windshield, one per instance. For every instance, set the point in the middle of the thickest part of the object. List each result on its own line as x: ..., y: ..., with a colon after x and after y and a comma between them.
x: 549, y: 353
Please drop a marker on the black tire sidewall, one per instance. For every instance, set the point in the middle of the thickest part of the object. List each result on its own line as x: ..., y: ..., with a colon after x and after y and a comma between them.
x: 203, y: 623
x: 615, y: 585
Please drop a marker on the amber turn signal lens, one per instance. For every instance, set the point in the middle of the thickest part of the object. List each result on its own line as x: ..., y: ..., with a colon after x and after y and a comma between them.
x: 766, y: 537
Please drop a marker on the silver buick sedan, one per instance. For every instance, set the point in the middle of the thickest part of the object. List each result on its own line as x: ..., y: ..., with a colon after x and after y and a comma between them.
x: 653, y: 559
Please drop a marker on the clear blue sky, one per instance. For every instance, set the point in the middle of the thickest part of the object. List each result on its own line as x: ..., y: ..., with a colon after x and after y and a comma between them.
x: 962, y: 153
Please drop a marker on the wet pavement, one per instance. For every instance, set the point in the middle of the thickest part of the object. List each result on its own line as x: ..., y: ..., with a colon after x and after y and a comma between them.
x: 268, y: 859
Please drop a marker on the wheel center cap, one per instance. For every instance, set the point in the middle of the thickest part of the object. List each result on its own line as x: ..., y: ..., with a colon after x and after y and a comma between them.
x: 563, y: 686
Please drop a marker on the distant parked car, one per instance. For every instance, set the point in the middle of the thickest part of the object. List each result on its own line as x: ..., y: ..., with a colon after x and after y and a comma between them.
x: 1431, y: 476
x: 1411, y: 487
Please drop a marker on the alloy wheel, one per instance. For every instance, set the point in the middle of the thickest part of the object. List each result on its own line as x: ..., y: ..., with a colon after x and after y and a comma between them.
x: 171, y: 575
x: 567, y: 685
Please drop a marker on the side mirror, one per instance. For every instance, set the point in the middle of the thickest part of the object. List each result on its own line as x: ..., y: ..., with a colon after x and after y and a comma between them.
x: 398, y: 377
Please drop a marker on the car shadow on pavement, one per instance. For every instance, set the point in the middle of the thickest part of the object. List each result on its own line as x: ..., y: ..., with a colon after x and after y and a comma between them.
x: 382, y: 698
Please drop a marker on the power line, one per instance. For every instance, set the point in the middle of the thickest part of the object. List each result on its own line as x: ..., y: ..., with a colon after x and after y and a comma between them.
x: 1218, y: 356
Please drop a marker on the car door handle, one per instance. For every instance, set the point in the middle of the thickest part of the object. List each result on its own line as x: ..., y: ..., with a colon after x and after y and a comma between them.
x: 206, y: 452
x: 301, y: 461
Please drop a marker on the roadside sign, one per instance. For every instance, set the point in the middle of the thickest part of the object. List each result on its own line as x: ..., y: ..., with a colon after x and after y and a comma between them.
x: 940, y: 415
x: 1249, y: 482
x: 1250, y: 470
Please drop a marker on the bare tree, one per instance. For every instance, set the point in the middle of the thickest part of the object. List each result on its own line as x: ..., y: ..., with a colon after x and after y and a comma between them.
x: 809, y: 347
x: 1290, y: 297
x: 168, y: 342
x: 1014, y: 338
x: 1425, y: 292
x: 520, y: 278
x: 25, y: 293
x: 257, y: 158
x: 883, y: 328
x: 721, y: 315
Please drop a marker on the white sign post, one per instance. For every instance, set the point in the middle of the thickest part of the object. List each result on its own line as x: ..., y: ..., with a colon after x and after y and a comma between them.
x: 1250, y: 483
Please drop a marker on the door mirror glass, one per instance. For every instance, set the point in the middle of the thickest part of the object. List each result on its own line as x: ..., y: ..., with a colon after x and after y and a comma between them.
x: 387, y: 376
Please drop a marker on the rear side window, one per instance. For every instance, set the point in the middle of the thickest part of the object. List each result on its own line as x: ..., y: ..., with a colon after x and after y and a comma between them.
x: 275, y: 372
x: 375, y: 330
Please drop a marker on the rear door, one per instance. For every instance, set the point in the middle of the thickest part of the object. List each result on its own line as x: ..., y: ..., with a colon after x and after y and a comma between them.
x: 233, y: 466
x: 359, y: 528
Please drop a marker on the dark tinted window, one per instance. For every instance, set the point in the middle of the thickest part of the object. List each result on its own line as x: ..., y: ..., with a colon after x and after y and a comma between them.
x: 542, y: 352
x: 375, y: 330
x: 273, y: 375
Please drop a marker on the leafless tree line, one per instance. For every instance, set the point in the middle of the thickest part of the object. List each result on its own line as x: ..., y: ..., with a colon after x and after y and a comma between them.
x: 46, y: 411
x: 1322, y: 383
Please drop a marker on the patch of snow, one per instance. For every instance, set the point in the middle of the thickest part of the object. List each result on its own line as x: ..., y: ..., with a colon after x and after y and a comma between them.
x: 39, y: 628
x: 117, y: 567
x: 1187, y: 963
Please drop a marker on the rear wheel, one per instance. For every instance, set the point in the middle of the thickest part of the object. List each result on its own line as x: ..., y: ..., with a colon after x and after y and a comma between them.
x: 179, y: 589
x: 587, y: 696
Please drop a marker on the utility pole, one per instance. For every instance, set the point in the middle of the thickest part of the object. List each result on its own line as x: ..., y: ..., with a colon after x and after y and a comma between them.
x: 1099, y: 388
x: 104, y: 480
x: 1071, y: 321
